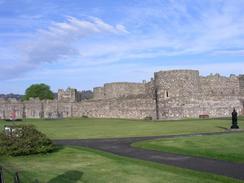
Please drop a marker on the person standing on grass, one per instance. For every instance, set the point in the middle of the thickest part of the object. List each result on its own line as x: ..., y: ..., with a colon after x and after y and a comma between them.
x: 234, y: 119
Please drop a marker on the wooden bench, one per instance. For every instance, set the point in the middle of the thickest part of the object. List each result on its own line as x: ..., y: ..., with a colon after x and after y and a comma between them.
x: 203, y: 116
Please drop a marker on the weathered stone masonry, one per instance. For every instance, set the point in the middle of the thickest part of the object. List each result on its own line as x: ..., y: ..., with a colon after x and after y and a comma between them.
x: 171, y: 94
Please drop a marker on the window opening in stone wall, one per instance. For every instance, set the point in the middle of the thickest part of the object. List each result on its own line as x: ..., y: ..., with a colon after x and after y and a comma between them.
x: 166, y: 94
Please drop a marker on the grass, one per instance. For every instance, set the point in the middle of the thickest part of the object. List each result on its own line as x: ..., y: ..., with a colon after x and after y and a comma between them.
x: 75, y: 165
x: 109, y: 128
x: 228, y: 147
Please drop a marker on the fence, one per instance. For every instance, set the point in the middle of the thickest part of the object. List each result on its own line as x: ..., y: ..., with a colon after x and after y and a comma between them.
x: 15, y: 176
x: 1, y: 175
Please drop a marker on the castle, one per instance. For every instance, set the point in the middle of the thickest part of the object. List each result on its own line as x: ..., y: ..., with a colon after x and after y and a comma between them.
x: 173, y: 94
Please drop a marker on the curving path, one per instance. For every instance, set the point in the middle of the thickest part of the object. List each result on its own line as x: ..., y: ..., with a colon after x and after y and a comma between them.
x: 122, y: 146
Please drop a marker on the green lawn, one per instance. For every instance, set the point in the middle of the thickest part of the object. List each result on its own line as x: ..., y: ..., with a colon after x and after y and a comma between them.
x: 226, y: 147
x: 74, y: 165
x: 108, y: 128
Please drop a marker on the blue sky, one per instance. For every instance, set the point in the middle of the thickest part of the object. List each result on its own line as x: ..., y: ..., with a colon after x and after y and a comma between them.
x: 83, y: 44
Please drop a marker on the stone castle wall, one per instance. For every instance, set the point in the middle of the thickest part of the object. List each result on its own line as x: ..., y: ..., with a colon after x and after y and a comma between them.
x: 135, y: 108
x: 178, y: 108
x: 172, y: 94
x: 241, y: 84
x: 98, y: 93
x: 216, y: 85
x: 118, y: 90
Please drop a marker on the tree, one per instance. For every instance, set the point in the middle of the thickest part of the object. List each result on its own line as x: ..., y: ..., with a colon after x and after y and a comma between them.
x: 41, y: 91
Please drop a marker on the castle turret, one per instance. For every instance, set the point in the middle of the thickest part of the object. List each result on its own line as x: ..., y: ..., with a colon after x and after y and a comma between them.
x: 177, y: 83
x: 68, y: 95
x: 171, y: 89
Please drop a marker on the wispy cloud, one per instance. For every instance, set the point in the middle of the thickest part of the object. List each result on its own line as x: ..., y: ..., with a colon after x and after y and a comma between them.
x: 57, y: 42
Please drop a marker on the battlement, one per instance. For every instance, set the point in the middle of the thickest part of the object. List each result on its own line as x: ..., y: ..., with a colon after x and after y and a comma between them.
x: 175, y: 83
x: 177, y: 71
x: 118, y: 90
x: 68, y: 95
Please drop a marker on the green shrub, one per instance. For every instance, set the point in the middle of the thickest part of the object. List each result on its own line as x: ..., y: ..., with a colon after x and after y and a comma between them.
x: 24, y: 140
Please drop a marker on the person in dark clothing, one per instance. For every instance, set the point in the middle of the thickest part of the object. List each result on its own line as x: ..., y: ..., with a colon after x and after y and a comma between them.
x: 234, y: 120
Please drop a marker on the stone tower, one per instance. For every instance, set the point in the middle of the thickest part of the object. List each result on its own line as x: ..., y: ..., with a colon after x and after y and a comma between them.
x: 68, y: 95
x: 171, y: 87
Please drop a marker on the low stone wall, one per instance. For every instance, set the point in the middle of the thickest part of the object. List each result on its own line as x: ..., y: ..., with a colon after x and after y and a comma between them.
x: 134, y: 108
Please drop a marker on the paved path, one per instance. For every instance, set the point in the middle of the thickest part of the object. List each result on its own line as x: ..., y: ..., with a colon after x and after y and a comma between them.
x: 122, y: 146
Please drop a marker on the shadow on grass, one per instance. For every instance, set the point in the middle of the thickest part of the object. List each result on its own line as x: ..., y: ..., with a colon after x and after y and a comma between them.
x: 57, y: 148
x: 71, y: 176
x: 221, y: 127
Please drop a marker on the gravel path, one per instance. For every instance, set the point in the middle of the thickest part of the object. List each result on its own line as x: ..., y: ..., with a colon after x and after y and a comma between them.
x: 122, y: 146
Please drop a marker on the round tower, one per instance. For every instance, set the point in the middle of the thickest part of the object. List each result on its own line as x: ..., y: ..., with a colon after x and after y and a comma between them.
x: 177, y: 83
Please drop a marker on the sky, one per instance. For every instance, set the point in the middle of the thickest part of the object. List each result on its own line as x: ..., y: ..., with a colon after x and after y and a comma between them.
x: 84, y: 44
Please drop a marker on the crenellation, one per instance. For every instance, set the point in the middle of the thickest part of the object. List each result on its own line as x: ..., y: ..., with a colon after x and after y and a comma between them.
x: 68, y: 95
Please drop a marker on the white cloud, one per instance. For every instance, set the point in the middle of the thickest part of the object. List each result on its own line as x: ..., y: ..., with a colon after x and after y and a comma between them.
x: 56, y: 43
